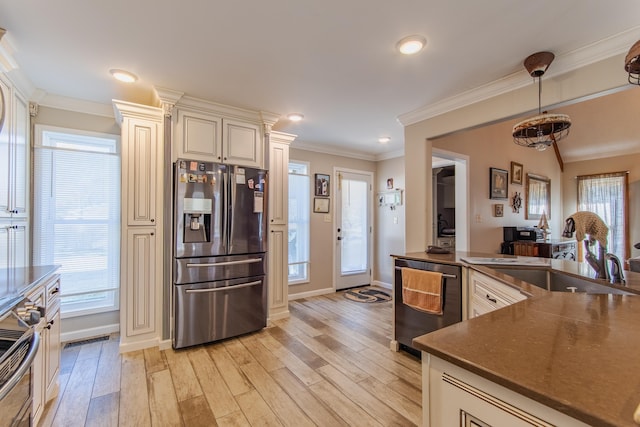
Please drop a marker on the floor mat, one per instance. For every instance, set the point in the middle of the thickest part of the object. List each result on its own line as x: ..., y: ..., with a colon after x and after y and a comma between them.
x: 367, y: 295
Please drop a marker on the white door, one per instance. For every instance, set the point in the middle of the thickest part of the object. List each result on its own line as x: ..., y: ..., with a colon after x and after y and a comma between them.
x: 354, y: 239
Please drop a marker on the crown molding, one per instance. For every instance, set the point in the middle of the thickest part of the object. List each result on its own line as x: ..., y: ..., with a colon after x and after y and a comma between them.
x: 563, y: 63
x: 75, y: 105
x: 332, y: 150
x: 390, y: 155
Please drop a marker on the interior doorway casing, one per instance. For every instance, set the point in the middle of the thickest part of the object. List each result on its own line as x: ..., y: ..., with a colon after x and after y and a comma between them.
x: 440, y: 158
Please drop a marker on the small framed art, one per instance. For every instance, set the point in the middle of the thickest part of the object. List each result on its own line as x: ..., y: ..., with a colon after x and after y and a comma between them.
x: 320, y: 205
x: 498, y: 210
x: 516, y: 173
x: 322, y: 185
x: 498, y: 179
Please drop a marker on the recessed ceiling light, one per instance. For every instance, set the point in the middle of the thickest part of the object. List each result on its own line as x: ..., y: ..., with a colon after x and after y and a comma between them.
x: 384, y: 139
x: 123, y: 76
x: 295, y: 117
x: 411, y: 44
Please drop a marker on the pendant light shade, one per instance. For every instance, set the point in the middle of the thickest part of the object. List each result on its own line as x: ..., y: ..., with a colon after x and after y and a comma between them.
x: 632, y: 63
x: 543, y: 130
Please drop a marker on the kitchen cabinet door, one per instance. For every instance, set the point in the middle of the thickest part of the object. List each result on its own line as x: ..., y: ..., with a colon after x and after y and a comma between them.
x: 278, y: 275
x: 243, y: 144
x: 278, y: 183
x: 141, y: 166
x: 198, y: 136
x: 140, y: 286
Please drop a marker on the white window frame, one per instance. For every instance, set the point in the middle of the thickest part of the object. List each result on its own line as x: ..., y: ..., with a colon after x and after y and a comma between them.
x: 40, y: 144
x: 306, y: 263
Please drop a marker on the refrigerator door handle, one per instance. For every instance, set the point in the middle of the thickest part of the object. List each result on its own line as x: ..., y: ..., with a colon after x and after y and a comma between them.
x: 222, y: 264
x: 226, y: 288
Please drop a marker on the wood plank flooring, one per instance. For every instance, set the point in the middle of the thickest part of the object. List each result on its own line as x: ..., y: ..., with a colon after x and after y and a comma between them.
x: 328, y: 364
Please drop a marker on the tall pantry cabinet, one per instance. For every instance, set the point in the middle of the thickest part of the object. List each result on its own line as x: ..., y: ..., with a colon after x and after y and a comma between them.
x: 14, y: 178
x: 142, y: 220
x: 278, y: 224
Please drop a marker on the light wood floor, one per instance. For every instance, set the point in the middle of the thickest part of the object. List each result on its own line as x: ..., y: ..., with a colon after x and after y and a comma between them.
x: 328, y: 364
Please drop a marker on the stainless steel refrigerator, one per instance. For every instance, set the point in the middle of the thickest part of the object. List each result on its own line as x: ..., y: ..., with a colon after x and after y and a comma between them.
x: 220, y: 251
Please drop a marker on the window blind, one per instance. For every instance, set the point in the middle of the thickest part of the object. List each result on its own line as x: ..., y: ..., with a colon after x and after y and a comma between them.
x: 77, y: 216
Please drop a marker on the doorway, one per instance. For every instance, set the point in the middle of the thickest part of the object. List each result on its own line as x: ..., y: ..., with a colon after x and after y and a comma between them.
x: 354, y: 234
x: 458, y: 235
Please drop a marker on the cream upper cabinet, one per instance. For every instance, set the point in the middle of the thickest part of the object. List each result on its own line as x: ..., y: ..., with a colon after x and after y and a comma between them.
x: 212, y: 132
x: 198, y: 136
x: 213, y: 138
x: 279, y: 179
x: 14, y: 155
x: 142, y: 169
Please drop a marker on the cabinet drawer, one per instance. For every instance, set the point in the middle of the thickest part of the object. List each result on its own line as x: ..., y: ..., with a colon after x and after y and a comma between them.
x: 53, y: 294
x: 488, y: 289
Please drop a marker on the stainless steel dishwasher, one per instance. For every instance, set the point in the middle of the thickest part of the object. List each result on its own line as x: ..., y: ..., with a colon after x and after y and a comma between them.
x: 409, y: 322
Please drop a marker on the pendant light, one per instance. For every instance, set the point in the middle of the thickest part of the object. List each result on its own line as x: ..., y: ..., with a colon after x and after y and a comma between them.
x: 632, y: 64
x: 543, y: 130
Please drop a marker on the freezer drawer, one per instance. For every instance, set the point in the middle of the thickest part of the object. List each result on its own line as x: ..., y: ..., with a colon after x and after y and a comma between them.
x: 206, y: 312
x: 208, y: 269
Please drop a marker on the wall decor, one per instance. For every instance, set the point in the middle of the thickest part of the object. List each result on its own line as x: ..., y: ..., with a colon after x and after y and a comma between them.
x: 320, y: 205
x: 516, y: 173
x: 322, y: 185
x: 389, y: 183
x: 538, y: 197
x: 498, y: 209
x: 516, y: 202
x: 498, y: 182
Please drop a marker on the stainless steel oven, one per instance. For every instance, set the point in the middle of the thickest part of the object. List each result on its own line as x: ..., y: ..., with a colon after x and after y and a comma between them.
x: 18, y: 347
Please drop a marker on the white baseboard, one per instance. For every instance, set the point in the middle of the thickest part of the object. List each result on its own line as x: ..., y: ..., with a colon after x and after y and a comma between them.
x: 165, y: 344
x: 84, y: 334
x: 139, y: 345
x: 279, y: 315
x: 382, y: 284
x: 311, y: 293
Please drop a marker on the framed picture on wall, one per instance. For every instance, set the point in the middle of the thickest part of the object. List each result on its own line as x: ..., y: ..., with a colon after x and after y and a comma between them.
x: 498, y: 210
x: 320, y: 205
x: 498, y: 179
x: 322, y: 185
x: 516, y: 173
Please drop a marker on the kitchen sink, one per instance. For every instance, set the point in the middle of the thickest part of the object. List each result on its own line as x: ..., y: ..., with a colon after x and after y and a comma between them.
x: 559, y: 282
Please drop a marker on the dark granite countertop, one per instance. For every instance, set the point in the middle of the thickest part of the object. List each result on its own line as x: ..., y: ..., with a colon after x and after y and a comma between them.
x: 16, y: 282
x: 576, y: 353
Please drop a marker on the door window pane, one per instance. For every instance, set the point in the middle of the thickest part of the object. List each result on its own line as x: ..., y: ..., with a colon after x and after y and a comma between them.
x: 354, y: 226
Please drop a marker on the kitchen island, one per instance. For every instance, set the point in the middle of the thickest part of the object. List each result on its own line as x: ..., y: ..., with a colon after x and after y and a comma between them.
x: 566, y: 358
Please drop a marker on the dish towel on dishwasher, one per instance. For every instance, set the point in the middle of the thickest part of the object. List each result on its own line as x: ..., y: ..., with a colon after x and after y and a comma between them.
x: 422, y: 290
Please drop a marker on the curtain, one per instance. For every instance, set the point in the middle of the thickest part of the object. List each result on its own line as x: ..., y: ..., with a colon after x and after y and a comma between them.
x: 606, y: 196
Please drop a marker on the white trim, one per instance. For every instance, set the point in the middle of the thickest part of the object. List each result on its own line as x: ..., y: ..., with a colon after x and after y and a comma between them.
x: 139, y: 345
x: 310, y: 294
x: 83, y: 334
x: 564, y: 63
x: 279, y: 315
x: 390, y: 155
x: 165, y: 345
x: 76, y: 105
x: 380, y: 284
x: 333, y: 150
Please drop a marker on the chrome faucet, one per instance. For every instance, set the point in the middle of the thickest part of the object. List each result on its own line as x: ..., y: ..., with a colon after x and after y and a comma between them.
x: 597, y: 263
x: 617, y: 275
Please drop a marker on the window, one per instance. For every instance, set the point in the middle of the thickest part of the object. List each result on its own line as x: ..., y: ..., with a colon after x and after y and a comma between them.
x: 299, y: 211
x: 606, y: 196
x: 77, y: 215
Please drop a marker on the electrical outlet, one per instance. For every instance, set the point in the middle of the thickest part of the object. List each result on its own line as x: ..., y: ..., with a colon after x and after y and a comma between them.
x: 327, y: 218
x: 478, y: 218
x: 395, y: 219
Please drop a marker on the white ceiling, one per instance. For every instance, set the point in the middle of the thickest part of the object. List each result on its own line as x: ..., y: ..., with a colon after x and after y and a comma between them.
x: 334, y: 61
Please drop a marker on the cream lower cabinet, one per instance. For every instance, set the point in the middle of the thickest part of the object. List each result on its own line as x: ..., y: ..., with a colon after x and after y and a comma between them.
x: 141, y: 249
x: 453, y: 396
x: 46, y: 365
x: 278, y: 276
x: 487, y: 294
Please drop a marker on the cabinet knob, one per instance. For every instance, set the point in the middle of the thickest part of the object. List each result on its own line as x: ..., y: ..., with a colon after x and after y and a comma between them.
x: 153, y: 220
x: 225, y: 158
x: 152, y: 234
